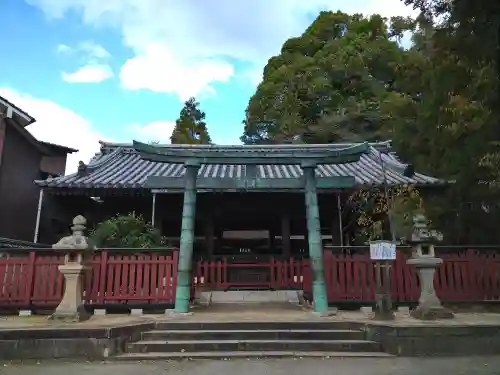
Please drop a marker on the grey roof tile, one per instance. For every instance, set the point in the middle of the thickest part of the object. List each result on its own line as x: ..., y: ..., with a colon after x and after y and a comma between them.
x: 120, y: 166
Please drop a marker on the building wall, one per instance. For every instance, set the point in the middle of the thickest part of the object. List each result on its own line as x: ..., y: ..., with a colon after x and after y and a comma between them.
x: 18, y: 194
x: 226, y: 211
x: 58, y: 212
x: 53, y: 165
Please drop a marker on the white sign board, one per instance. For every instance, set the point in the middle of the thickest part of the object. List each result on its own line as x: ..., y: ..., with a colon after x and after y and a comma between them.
x: 382, y: 250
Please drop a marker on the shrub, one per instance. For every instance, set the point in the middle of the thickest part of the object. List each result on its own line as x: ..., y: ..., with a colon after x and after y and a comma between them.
x: 127, y: 231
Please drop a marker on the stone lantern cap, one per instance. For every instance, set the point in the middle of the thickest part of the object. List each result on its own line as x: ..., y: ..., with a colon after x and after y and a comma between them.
x: 421, y: 232
x: 76, y: 244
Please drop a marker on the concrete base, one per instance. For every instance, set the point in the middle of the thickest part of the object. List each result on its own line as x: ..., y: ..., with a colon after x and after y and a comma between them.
x: 331, y: 312
x: 71, y: 342
x: 203, y: 298
x: 403, y: 311
x: 383, y: 315
x: 25, y: 313
x: 99, y: 312
x: 136, y: 312
x: 257, y: 296
x: 173, y: 313
x: 79, y: 316
x: 432, y: 313
x: 367, y: 311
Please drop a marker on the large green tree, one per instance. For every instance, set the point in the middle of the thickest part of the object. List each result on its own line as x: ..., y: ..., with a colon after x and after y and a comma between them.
x: 451, y: 128
x: 190, y: 127
x: 468, y: 34
x: 346, y: 78
x: 327, y: 85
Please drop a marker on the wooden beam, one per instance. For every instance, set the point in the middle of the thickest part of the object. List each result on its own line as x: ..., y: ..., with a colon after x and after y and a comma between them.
x: 276, y: 156
x: 260, y: 160
x: 249, y: 184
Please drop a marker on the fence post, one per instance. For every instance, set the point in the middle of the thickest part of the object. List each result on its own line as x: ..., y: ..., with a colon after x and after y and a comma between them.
x: 103, y: 270
x: 474, y: 274
x: 175, y: 270
x: 30, y: 277
x: 272, y: 274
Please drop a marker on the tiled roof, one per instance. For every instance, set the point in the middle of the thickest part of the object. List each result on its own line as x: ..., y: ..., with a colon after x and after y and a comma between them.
x: 120, y: 166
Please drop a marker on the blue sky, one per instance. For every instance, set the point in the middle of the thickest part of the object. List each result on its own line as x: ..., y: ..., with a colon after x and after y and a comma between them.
x: 119, y: 70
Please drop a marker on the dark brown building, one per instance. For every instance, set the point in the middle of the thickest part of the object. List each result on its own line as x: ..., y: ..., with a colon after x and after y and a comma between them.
x: 24, y: 159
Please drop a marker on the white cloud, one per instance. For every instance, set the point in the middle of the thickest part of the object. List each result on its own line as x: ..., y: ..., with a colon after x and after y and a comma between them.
x: 158, y: 131
x: 158, y: 70
x: 94, y: 50
x: 60, y: 125
x: 92, y: 73
x: 197, y: 32
x: 63, y: 48
x: 94, y: 70
x: 57, y: 124
x: 88, y: 49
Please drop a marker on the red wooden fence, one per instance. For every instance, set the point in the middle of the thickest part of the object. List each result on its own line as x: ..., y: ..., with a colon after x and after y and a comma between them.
x: 464, y: 276
x: 273, y: 273
x: 31, y: 277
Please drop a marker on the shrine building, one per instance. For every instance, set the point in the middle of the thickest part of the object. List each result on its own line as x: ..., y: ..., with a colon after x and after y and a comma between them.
x: 233, y: 201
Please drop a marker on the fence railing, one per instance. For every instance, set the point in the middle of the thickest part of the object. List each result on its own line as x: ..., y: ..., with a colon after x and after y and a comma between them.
x: 30, y: 278
x: 466, y: 275
x: 271, y: 273
x: 118, y: 276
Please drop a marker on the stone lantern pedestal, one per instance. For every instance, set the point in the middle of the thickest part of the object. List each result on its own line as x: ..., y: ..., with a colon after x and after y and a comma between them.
x: 71, y: 308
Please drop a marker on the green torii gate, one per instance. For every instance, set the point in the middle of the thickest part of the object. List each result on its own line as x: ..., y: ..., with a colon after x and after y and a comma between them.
x: 308, y: 157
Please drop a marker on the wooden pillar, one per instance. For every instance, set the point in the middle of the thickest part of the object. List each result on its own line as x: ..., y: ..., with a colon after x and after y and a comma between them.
x: 285, y: 235
x: 337, y: 225
x: 209, y: 235
x: 334, y: 231
x: 38, y: 215
x: 187, y: 239
x: 153, y: 211
x: 314, y: 240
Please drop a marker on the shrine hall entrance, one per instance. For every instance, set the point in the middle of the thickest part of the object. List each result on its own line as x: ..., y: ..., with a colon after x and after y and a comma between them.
x: 254, y: 241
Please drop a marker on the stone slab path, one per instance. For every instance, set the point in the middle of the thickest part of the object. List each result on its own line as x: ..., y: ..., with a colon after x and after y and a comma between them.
x: 392, y: 366
x: 42, y: 321
x: 235, y: 312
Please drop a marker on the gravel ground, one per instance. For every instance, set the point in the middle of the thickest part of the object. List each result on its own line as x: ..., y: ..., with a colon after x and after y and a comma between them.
x: 406, y: 366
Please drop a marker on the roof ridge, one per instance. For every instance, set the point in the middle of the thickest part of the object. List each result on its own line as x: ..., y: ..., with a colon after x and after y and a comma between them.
x: 96, y: 163
x: 381, y: 144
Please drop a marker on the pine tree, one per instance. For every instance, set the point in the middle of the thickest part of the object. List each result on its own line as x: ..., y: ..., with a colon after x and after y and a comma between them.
x: 190, y: 127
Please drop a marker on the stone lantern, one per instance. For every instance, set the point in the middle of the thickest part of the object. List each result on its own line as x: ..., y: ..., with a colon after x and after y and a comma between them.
x: 424, y: 260
x: 75, y: 247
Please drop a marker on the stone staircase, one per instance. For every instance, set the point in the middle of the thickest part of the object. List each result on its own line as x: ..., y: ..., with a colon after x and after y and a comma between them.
x: 218, y: 340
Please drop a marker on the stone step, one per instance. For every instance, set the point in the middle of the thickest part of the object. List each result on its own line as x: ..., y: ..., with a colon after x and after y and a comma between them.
x: 256, y: 325
x: 246, y: 354
x: 252, y: 345
x: 261, y: 334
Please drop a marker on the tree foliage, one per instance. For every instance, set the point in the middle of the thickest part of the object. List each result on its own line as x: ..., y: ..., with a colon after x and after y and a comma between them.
x: 346, y: 78
x: 127, y: 231
x: 190, y: 127
x: 452, y: 128
x: 383, y: 214
x: 328, y: 85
